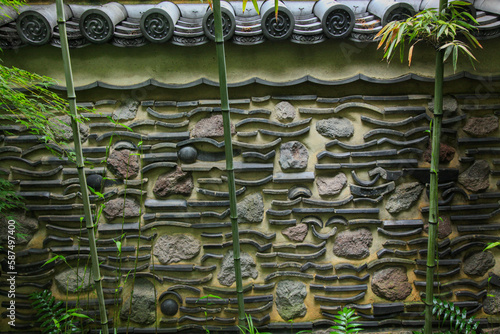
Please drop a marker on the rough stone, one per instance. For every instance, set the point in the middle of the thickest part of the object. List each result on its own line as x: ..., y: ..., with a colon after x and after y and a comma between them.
x: 491, y: 304
x: 126, y: 111
x: 25, y: 227
x: 331, y: 185
x: 175, y: 248
x: 285, y: 111
x: 481, y: 126
x: 478, y: 264
x: 353, y: 244
x: 293, y: 154
x: 296, y: 233
x: 335, y: 127
x: 444, y: 227
x: 210, y: 127
x: 124, y: 164
x: 391, y: 283
x: 226, y: 274
x: 446, y: 153
x: 476, y: 177
x: 403, y: 197
x: 450, y: 104
x: 495, y: 330
x: 290, y: 297
x: 174, y: 182
x: 61, y: 126
x: 143, y: 306
x: 120, y: 207
x: 72, y: 280
x: 251, y: 209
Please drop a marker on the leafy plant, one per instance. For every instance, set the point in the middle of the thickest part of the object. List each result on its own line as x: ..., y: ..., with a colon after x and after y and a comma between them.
x: 436, y: 28
x: 459, y: 323
x: 250, y: 329
x: 9, y: 200
x: 345, y: 322
x: 54, y: 318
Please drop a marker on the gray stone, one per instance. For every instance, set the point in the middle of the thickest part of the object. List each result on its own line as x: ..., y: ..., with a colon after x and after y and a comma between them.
x: 126, y: 111
x: 175, y: 248
x: 226, y: 274
x: 174, y: 182
x: 491, y: 304
x: 124, y: 164
x: 210, y: 127
x: 353, y: 244
x: 187, y: 154
x: 478, y: 264
x: 251, y: 209
x: 391, y: 283
x: 285, y: 112
x: 403, y: 197
x: 25, y: 227
x: 296, y: 233
x: 481, y: 126
x: 142, y: 308
x: 444, y: 227
x: 335, y: 127
x: 450, y: 104
x: 72, y: 280
x: 476, y: 177
x: 293, y: 154
x: 290, y: 297
x: 122, y: 207
x: 495, y: 330
x: 61, y: 126
x: 331, y: 185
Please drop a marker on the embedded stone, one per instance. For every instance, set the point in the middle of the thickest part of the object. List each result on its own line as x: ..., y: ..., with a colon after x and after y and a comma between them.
x: 285, y: 112
x: 293, y: 154
x: 290, y: 297
x: 126, y: 111
x: 169, y: 307
x: 73, y: 280
x: 444, y: 227
x: 143, y: 306
x: 210, y: 127
x: 331, y: 185
x: 403, y: 197
x: 124, y: 164
x: 95, y: 181
x: 25, y: 227
x: 446, y: 153
x: 478, y: 264
x: 353, y: 244
x: 122, y: 208
x: 450, y: 104
x: 226, y: 274
x: 251, y: 209
x: 174, y: 182
x: 175, y: 248
x: 61, y: 126
x: 296, y: 233
x: 481, y: 126
x: 495, y: 330
x: 491, y: 304
x: 335, y: 127
x: 476, y: 177
x: 188, y: 154
x: 391, y: 283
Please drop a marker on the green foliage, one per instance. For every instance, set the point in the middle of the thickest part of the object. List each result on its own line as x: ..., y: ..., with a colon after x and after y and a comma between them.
x: 250, y: 329
x: 459, y: 323
x: 345, y: 322
x: 9, y: 201
x: 53, y: 317
x: 439, y: 29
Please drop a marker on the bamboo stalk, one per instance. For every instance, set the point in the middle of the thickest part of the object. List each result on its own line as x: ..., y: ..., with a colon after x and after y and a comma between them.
x: 80, y: 163
x: 221, y: 59
x: 434, y: 180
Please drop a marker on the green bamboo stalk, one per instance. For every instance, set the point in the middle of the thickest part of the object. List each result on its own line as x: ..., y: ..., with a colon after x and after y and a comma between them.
x: 80, y: 163
x: 221, y: 59
x: 434, y: 176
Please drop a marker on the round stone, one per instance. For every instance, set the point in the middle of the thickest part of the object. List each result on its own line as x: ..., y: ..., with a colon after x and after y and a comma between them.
x: 169, y: 307
x: 95, y: 182
x: 187, y: 154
